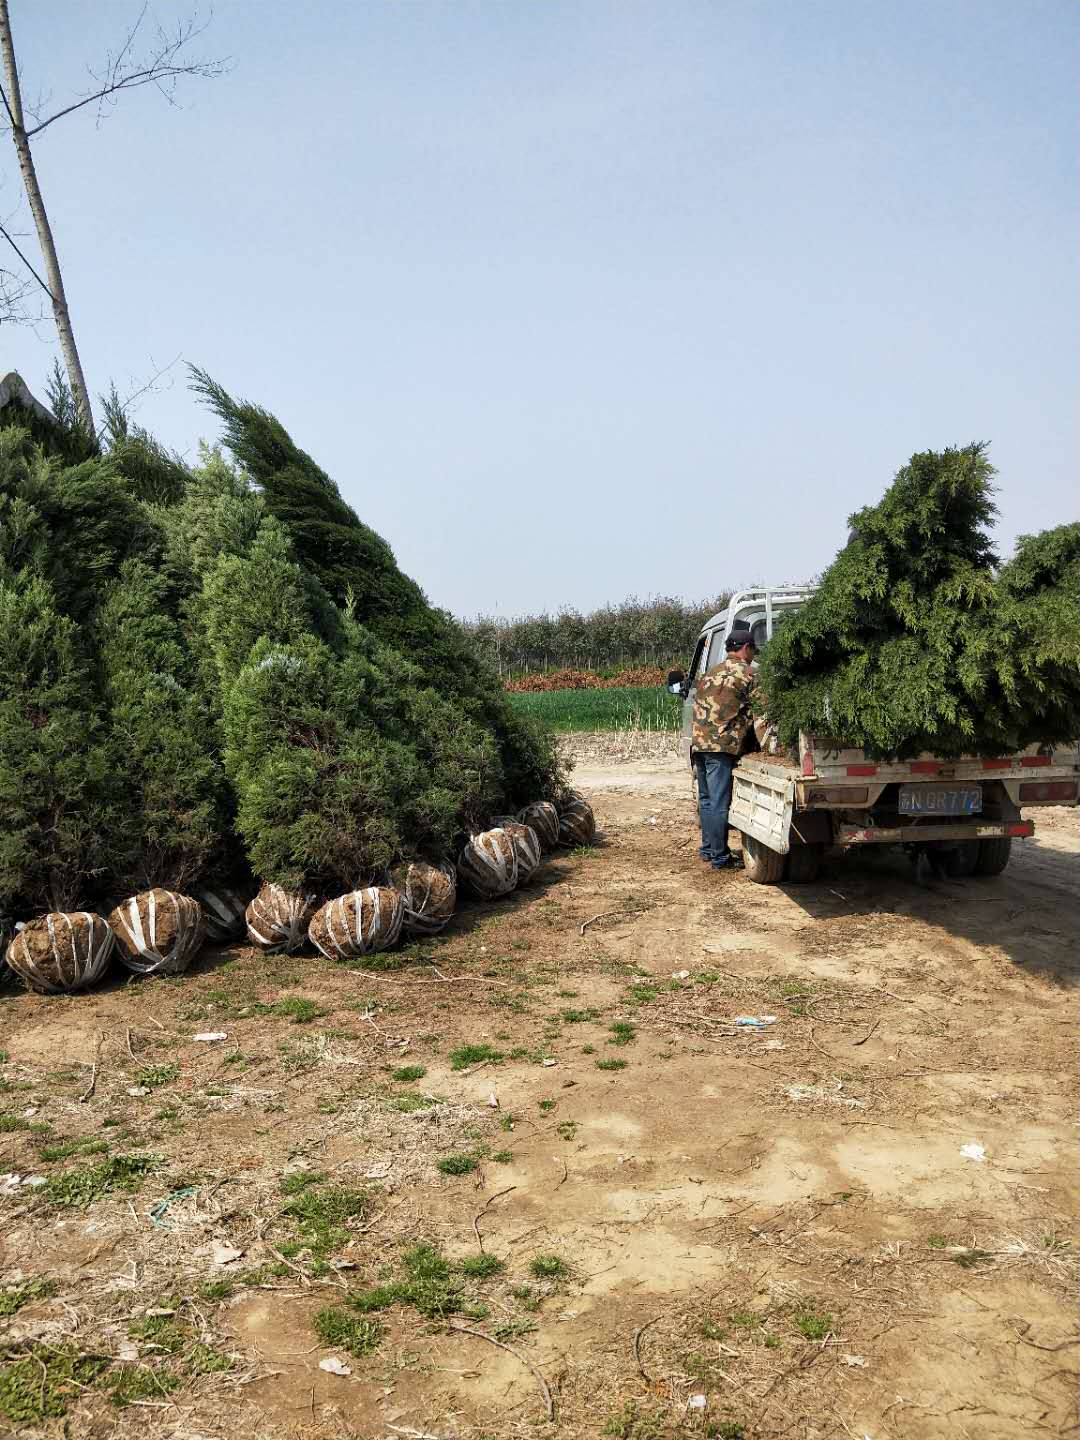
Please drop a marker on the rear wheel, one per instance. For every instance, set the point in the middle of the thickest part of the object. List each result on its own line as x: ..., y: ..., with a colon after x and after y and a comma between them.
x: 960, y: 862
x: 993, y: 855
x: 803, y: 864
x: 764, y: 866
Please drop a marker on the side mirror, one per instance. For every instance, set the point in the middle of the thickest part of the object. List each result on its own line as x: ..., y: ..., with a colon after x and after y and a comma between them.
x: 676, y: 682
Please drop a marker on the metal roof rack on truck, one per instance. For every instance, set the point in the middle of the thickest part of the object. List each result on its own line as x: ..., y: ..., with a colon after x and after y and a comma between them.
x: 767, y: 597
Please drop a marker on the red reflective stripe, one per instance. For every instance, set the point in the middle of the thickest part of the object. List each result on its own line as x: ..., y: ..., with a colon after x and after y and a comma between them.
x: 1023, y: 827
x: 997, y: 764
x: 925, y: 767
x: 862, y: 769
x: 1032, y: 760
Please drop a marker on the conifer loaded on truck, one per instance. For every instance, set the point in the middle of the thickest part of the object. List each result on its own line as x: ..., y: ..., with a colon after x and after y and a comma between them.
x: 790, y: 809
x: 920, y: 693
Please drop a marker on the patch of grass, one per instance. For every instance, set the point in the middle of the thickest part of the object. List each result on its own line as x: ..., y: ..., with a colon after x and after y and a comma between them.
x: 85, y: 1184
x: 466, y: 1055
x: 506, y: 1122
x: 503, y: 1157
x: 15, y: 1297
x: 745, y: 1319
x: 217, y: 1289
x: 298, y: 1009
x: 611, y: 1064
x: 968, y: 1259
x: 588, y: 1049
x: 340, y: 1330
x: 814, y: 1325
x: 577, y: 1017
x: 546, y: 1105
x: 404, y: 1073
x: 297, y: 1059
x: 321, y: 1214
x: 549, y: 1267
x: 38, y: 1383
x: 632, y: 1423
x: 457, y: 1164
x: 725, y: 1430
x: 429, y: 1285
x: 154, y: 1076
x: 479, y: 1267
x: 566, y: 1129
x: 711, y: 1331
x: 129, y: 1384
x: 408, y: 1102
x: 67, y: 1148
x: 641, y: 994
x: 936, y: 1242
x: 622, y: 1033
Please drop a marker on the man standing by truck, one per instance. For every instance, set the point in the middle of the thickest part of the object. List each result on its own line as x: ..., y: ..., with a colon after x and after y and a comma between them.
x: 722, y: 718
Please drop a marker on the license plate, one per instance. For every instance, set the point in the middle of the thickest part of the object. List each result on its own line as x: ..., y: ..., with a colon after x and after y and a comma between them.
x: 940, y: 799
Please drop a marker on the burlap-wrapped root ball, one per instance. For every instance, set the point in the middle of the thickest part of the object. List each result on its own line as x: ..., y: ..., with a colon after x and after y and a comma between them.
x: 526, y: 844
x: 223, y: 910
x: 577, y: 823
x: 158, y: 932
x: 62, y: 951
x: 430, y: 894
x: 359, y: 923
x: 488, y: 865
x: 542, y: 817
x: 277, y: 919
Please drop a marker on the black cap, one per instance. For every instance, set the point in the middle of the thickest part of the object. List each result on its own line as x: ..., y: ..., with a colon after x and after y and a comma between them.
x: 737, y: 639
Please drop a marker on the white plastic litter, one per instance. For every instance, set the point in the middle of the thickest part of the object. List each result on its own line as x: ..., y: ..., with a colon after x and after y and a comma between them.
x: 226, y: 1254
x: 973, y: 1151
x: 138, y: 1090
x: 333, y: 1366
x: 696, y: 1402
x: 855, y: 1361
x: 680, y: 974
x: 211, y: 1036
x: 493, y: 1101
x: 548, y: 1063
x: 755, y: 1022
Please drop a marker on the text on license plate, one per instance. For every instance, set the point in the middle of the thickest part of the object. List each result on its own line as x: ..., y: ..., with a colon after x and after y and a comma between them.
x: 940, y: 799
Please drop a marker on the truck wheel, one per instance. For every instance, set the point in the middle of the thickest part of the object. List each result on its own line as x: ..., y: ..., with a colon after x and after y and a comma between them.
x: 803, y: 864
x: 961, y: 861
x: 763, y: 866
x: 993, y: 855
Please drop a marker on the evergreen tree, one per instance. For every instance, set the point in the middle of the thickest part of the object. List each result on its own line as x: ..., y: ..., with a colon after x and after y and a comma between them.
x: 356, y: 569
x: 163, y: 741
x: 890, y: 653
x: 58, y: 791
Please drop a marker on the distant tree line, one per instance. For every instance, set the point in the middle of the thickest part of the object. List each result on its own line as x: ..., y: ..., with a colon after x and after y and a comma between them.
x: 657, y: 631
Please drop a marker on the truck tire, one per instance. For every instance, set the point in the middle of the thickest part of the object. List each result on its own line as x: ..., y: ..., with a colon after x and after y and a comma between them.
x: 762, y: 865
x: 993, y: 855
x: 962, y: 860
x: 803, y: 864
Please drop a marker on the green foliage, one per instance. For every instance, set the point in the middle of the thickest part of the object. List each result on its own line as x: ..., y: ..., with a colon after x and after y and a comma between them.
x: 629, y: 708
x: 83, y: 1185
x: 465, y: 1055
x: 549, y: 1267
x: 39, y: 1382
x: 914, y: 642
x: 15, y: 1297
x: 480, y: 1267
x: 457, y: 1164
x: 339, y: 1329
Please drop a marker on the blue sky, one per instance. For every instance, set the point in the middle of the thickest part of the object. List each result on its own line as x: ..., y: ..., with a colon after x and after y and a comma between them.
x: 579, y: 299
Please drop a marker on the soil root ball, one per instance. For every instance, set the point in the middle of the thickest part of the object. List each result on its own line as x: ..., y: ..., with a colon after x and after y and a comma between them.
x: 277, y: 919
x: 223, y: 911
x: 526, y: 844
x: 429, y: 893
x: 158, y: 932
x: 61, y: 952
x: 488, y: 865
x: 542, y: 817
x: 577, y: 823
x: 359, y: 923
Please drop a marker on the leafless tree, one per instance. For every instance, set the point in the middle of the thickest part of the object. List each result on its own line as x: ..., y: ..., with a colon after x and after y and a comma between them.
x: 161, y: 64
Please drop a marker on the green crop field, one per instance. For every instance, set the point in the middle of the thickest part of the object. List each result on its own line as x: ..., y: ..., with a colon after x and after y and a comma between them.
x: 649, y: 708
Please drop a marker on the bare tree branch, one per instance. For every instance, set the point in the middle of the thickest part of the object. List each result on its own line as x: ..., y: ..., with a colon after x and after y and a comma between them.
x: 5, y: 233
x: 161, y: 67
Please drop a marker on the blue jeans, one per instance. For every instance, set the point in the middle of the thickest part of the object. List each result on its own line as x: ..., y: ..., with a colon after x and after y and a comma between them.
x: 714, y: 799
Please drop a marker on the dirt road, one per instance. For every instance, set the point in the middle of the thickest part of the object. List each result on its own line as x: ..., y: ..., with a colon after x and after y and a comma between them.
x: 856, y: 1221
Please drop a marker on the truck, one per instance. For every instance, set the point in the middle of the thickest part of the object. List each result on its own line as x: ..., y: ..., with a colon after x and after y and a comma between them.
x: 960, y: 815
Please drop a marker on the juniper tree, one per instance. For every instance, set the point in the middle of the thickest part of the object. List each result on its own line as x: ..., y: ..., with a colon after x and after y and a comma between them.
x: 58, y: 791
x: 891, y: 652
x: 356, y: 568
x: 162, y: 736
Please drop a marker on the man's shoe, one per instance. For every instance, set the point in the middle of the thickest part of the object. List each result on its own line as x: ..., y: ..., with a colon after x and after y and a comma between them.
x: 733, y: 862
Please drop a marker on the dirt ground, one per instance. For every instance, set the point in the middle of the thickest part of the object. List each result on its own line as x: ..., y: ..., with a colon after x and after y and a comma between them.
x: 858, y: 1220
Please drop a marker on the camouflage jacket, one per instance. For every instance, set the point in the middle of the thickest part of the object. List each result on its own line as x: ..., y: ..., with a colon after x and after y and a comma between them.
x: 722, y: 699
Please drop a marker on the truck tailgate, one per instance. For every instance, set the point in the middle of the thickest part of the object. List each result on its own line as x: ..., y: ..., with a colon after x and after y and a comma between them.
x: 827, y: 761
x: 762, y: 800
